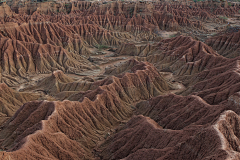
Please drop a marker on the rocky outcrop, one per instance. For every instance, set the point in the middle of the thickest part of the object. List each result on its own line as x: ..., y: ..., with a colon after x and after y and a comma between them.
x: 227, y: 44
x: 11, y: 100
x: 40, y: 122
x: 176, y: 128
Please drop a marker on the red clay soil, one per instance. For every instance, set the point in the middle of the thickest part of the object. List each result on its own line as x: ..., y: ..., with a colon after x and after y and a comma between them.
x: 95, y: 119
x: 11, y: 100
x: 143, y: 82
x: 21, y: 58
x: 181, y: 55
x: 69, y: 130
x: 56, y: 33
x: 203, y: 71
x: 127, y: 16
x: 176, y: 128
x: 217, y: 84
x: 60, y: 85
x: 227, y: 45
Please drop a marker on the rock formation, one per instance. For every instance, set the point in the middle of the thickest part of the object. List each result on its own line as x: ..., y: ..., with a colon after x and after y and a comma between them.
x: 11, y: 100
x: 226, y: 45
x: 119, y: 80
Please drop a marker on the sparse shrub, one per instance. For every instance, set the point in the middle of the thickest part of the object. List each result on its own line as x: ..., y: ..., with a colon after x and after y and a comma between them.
x: 98, y: 67
x: 225, y: 18
x: 100, y: 47
x: 132, y: 107
x: 214, y: 34
x: 172, y: 36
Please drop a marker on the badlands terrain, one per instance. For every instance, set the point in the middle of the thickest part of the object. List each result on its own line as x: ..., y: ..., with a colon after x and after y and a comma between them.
x: 132, y: 80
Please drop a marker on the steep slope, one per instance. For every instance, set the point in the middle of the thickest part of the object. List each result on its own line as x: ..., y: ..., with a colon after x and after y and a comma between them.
x: 216, y: 84
x: 143, y: 20
x: 182, y: 55
x: 40, y: 123
x: 178, y: 128
x: 5, y: 10
x: 142, y: 82
x: 10, y: 101
x: 227, y: 45
x: 72, y: 37
x: 111, y: 107
x: 21, y: 58
x: 58, y: 82
x: 203, y: 71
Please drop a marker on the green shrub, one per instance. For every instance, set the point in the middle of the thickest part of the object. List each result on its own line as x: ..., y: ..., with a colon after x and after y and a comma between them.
x: 172, y: 36
x: 225, y: 18
x: 100, y: 47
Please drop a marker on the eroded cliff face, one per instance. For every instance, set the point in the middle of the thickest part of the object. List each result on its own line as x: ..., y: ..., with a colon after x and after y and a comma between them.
x: 5, y: 10
x: 118, y: 80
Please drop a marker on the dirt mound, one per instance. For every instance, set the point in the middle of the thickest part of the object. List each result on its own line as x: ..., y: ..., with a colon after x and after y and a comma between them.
x: 10, y: 101
x: 142, y: 82
x: 227, y: 45
x: 181, y: 55
x: 21, y: 58
x: 51, y: 85
x: 99, y: 111
x: 216, y: 84
x: 75, y: 37
x: 52, y: 128
x: 141, y: 19
x: 178, y: 128
x: 108, y: 61
x: 62, y: 86
x: 146, y: 79
x: 121, y: 68
x: 203, y: 71
x: 5, y: 11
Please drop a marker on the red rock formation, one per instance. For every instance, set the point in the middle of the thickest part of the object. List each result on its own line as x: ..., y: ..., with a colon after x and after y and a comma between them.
x: 204, y: 72
x: 178, y: 128
x: 52, y: 124
x: 126, y: 16
x: 21, y: 58
x: 95, y: 119
x: 5, y: 10
x: 183, y: 55
x: 59, y: 84
x: 11, y: 100
x: 227, y: 45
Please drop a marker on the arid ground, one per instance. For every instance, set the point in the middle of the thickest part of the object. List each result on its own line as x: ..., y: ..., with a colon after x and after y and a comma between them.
x: 109, y: 80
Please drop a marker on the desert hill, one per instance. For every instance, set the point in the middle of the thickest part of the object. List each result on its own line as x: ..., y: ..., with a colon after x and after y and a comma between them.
x: 112, y: 99
x: 226, y: 45
x: 119, y: 80
x: 11, y: 101
x: 20, y: 58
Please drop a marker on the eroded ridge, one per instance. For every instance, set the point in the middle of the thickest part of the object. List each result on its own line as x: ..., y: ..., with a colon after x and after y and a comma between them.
x: 176, y: 128
x: 71, y: 128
